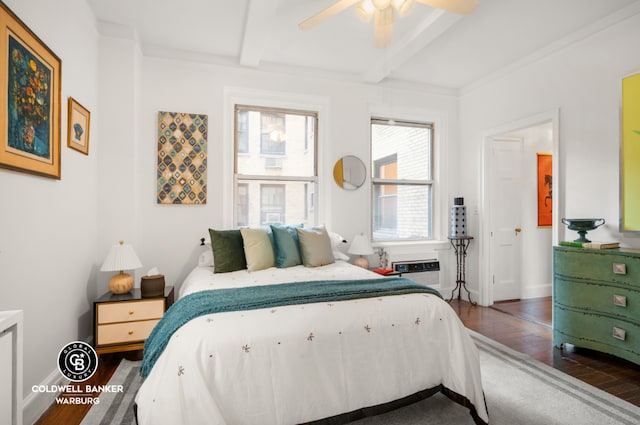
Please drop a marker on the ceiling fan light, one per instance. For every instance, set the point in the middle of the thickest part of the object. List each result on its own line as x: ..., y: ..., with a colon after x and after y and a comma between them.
x: 381, y: 4
x: 365, y: 10
x: 404, y: 6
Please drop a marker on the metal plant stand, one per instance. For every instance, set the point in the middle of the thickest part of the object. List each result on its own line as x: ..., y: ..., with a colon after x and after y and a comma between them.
x: 460, y: 245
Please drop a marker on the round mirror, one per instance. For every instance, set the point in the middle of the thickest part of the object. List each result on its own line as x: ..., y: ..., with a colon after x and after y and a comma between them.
x: 349, y: 172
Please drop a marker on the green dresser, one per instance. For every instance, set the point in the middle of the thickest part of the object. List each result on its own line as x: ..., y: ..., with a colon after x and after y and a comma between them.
x: 596, y: 300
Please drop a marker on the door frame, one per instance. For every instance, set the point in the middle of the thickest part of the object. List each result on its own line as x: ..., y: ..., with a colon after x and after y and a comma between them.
x: 485, y: 289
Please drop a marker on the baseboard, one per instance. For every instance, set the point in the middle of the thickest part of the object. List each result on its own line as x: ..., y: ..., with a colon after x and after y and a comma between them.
x: 36, y: 403
x: 537, y: 291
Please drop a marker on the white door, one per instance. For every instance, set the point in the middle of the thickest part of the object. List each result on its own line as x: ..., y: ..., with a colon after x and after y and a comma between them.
x: 505, y: 216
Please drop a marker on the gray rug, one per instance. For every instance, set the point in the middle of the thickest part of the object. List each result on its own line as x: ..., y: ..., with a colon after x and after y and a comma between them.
x: 518, y: 389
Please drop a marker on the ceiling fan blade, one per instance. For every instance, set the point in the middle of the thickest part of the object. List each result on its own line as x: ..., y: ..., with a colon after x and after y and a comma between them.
x: 461, y: 7
x: 330, y: 11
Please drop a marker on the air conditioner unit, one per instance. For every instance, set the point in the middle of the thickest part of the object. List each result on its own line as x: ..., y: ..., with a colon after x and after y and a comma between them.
x: 272, y: 162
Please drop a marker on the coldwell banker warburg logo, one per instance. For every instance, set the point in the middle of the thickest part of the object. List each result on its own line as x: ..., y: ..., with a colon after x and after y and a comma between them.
x: 77, y: 361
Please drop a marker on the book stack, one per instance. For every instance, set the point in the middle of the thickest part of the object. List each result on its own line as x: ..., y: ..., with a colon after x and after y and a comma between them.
x: 592, y: 245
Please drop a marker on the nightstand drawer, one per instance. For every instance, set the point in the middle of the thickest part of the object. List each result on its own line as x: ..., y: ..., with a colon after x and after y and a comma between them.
x: 130, y: 311
x: 124, y: 332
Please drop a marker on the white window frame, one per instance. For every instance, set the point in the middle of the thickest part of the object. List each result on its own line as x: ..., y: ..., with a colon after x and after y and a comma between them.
x: 440, y: 121
x: 270, y: 99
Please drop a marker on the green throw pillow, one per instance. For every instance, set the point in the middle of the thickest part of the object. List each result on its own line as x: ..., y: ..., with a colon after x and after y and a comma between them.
x: 285, y: 244
x: 228, y: 250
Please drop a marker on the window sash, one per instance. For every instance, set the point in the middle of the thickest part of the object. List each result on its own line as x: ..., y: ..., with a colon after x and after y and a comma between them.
x: 389, y: 209
x: 270, y: 152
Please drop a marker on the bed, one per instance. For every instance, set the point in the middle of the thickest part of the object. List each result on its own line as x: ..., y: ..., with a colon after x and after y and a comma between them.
x: 306, y: 362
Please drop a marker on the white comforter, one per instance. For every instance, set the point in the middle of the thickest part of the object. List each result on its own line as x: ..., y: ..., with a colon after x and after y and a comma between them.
x: 295, y: 364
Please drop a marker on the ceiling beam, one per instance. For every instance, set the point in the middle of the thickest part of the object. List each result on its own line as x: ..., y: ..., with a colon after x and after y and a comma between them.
x: 258, y: 29
x: 429, y: 29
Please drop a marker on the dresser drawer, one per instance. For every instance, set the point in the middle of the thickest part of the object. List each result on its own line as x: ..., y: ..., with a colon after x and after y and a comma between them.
x: 592, y: 331
x: 130, y: 311
x: 597, y: 265
x: 623, y: 302
x: 119, y: 333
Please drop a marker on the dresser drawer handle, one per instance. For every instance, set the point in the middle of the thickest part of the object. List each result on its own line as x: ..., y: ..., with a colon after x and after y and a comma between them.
x: 130, y: 332
x: 620, y: 334
x: 131, y: 312
x: 619, y: 300
x: 619, y: 268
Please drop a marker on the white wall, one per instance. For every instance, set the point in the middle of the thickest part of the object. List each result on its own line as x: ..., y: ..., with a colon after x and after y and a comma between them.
x: 48, y: 228
x: 168, y: 235
x: 583, y: 81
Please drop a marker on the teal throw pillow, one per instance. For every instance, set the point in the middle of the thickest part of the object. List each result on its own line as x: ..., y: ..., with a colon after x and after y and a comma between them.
x: 285, y: 244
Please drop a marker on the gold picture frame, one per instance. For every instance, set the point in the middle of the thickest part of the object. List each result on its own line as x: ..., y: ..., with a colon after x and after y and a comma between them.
x: 79, y: 127
x: 30, y: 90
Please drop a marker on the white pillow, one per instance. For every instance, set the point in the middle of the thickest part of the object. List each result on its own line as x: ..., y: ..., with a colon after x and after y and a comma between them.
x: 336, y: 242
x: 206, y: 258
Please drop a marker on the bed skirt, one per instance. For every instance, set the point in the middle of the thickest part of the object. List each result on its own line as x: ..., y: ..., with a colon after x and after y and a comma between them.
x: 367, y: 412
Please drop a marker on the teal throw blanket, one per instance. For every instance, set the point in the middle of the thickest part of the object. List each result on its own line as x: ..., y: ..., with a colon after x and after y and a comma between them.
x: 256, y: 297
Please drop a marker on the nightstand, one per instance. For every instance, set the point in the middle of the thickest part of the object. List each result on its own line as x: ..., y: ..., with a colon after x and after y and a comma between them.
x: 122, y: 322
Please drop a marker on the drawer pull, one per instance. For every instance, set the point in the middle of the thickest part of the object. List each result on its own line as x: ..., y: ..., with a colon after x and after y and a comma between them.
x: 620, y: 334
x: 619, y: 268
x: 130, y: 312
x: 130, y: 332
x: 619, y: 300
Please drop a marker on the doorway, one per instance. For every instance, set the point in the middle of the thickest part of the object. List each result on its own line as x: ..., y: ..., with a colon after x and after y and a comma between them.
x: 515, y: 253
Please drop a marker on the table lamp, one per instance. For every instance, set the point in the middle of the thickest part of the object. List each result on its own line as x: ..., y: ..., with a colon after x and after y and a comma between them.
x: 121, y: 257
x: 361, y: 246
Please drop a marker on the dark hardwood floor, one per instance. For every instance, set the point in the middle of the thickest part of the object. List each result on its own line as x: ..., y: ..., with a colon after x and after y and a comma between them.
x: 524, y: 326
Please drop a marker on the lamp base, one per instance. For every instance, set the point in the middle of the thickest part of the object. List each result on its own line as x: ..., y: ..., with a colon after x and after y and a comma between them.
x: 121, y: 283
x: 361, y: 262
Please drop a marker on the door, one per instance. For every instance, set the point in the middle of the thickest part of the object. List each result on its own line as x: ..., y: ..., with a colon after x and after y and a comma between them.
x: 505, y: 216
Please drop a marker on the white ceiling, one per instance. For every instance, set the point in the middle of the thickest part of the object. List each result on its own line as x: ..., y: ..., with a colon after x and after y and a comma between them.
x: 429, y: 46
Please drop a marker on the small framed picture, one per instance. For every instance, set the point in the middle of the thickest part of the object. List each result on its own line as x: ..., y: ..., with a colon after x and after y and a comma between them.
x: 79, y: 123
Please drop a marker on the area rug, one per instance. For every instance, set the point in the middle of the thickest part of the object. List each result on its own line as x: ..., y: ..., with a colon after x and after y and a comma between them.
x: 518, y: 390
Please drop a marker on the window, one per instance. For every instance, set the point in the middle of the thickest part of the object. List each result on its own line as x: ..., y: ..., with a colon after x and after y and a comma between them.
x: 242, y: 204
x: 275, y: 166
x: 272, y: 133
x: 243, y: 131
x: 402, y: 163
x: 272, y: 203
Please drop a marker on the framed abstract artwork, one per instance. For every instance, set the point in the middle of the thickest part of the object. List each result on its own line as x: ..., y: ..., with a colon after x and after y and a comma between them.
x: 30, y: 98
x: 79, y: 126
x: 182, y: 158
x: 630, y: 155
x: 545, y: 189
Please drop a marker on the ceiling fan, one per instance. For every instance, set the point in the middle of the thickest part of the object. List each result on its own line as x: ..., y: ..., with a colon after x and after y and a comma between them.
x: 383, y: 13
